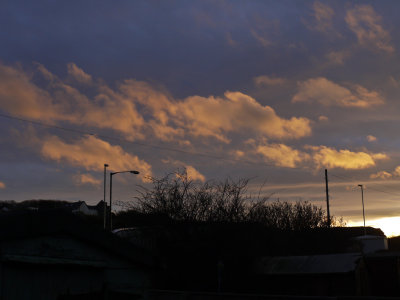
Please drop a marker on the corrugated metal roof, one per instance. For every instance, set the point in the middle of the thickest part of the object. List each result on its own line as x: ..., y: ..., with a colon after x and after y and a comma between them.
x: 315, y: 264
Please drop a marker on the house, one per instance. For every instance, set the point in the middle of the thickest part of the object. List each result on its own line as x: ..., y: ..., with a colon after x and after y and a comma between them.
x: 48, y: 255
x: 80, y: 207
x: 98, y: 209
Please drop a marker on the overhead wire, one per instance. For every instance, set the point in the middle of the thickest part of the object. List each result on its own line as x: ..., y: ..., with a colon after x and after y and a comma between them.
x: 166, y: 148
x: 344, y: 177
x: 82, y: 132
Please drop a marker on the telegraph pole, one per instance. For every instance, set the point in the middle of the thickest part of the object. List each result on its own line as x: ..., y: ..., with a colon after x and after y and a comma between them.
x: 362, y: 200
x: 327, y: 198
x: 104, y: 199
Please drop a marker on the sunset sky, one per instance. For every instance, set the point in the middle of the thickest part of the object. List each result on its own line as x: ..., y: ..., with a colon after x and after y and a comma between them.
x: 274, y: 91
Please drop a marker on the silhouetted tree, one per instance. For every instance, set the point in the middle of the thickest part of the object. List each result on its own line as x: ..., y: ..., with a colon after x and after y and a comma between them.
x: 183, y: 199
x: 286, y: 215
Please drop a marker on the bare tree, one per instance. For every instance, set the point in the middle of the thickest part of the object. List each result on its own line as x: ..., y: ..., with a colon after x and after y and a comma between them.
x: 180, y: 198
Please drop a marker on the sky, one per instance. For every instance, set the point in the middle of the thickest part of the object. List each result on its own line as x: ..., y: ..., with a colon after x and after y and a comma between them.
x: 272, y: 91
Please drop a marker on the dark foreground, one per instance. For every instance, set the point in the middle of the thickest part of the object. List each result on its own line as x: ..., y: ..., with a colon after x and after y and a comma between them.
x: 57, y: 255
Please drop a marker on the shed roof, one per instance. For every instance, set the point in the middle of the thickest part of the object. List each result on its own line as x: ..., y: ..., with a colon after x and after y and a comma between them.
x: 314, y: 264
x: 26, y: 224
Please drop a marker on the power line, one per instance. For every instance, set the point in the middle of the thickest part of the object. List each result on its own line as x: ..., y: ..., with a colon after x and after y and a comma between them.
x: 209, y: 155
x: 82, y: 132
x: 354, y: 179
x: 343, y: 177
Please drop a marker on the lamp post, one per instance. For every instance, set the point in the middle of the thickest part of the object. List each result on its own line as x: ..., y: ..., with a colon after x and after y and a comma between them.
x: 104, y: 199
x: 362, y: 200
x: 111, y: 175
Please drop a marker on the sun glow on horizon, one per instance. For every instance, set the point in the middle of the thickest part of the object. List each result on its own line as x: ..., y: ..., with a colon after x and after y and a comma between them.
x: 390, y: 225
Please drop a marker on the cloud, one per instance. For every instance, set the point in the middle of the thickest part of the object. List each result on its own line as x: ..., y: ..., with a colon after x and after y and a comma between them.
x: 326, y: 157
x: 337, y: 57
x: 81, y: 179
x: 114, y: 110
x: 381, y: 175
x: 328, y: 93
x: 45, y: 73
x: 261, y: 38
x: 194, y: 174
x: 91, y: 153
x: 138, y: 110
x: 371, y: 138
x: 20, y: 97
x: 282, y: 155
x: 396, y: 171
x: 191, y: 171
x: 322, y: 18
x: 237, y: 112
x: 238, y: 153
x: 78, y: 74
x: 386, y: 175
x: 2, y: 185
x: 267, y: 80
x: 323, y: 118
x: 366, y: 24
x: 229, y: 39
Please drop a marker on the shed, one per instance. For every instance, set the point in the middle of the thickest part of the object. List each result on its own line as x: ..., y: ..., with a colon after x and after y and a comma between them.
x: 322, y: 275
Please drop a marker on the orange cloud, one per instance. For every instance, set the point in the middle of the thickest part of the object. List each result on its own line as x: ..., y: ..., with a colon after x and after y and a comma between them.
x: 87, y: 179
x: 78, y: 74
x: 323, y: 15
x: 116, y: 111
x: 323, y: 118
x: 331, y: 158
x: 328, y: 93
x: 381, y: 175
x: 371, y: 138
x: 282, y: 155
x: 238, y: 153
x: 91, y: 153
x: 2, y: 185
x: 366, y: 24
x: 237, y: 112
x: 194, y: 174
x: 261, y: 38
x: 337, y: 57
x: 20, y: 97
x: 136, y: 109
x: 396, y: 171
x: 191, y: 171
x: 386, y: 175
x: 267, y: 80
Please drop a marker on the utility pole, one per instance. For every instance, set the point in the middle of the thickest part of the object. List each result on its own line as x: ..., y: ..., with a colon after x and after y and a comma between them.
x: 110, y: 217
x: 327, y: 198
x: 362, y: 200
x: 104, y: 199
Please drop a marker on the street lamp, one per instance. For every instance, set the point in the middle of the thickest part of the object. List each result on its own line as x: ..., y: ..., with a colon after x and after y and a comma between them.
x: 111, y: 175
x: 362, y: 200
x: 104, y: 199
